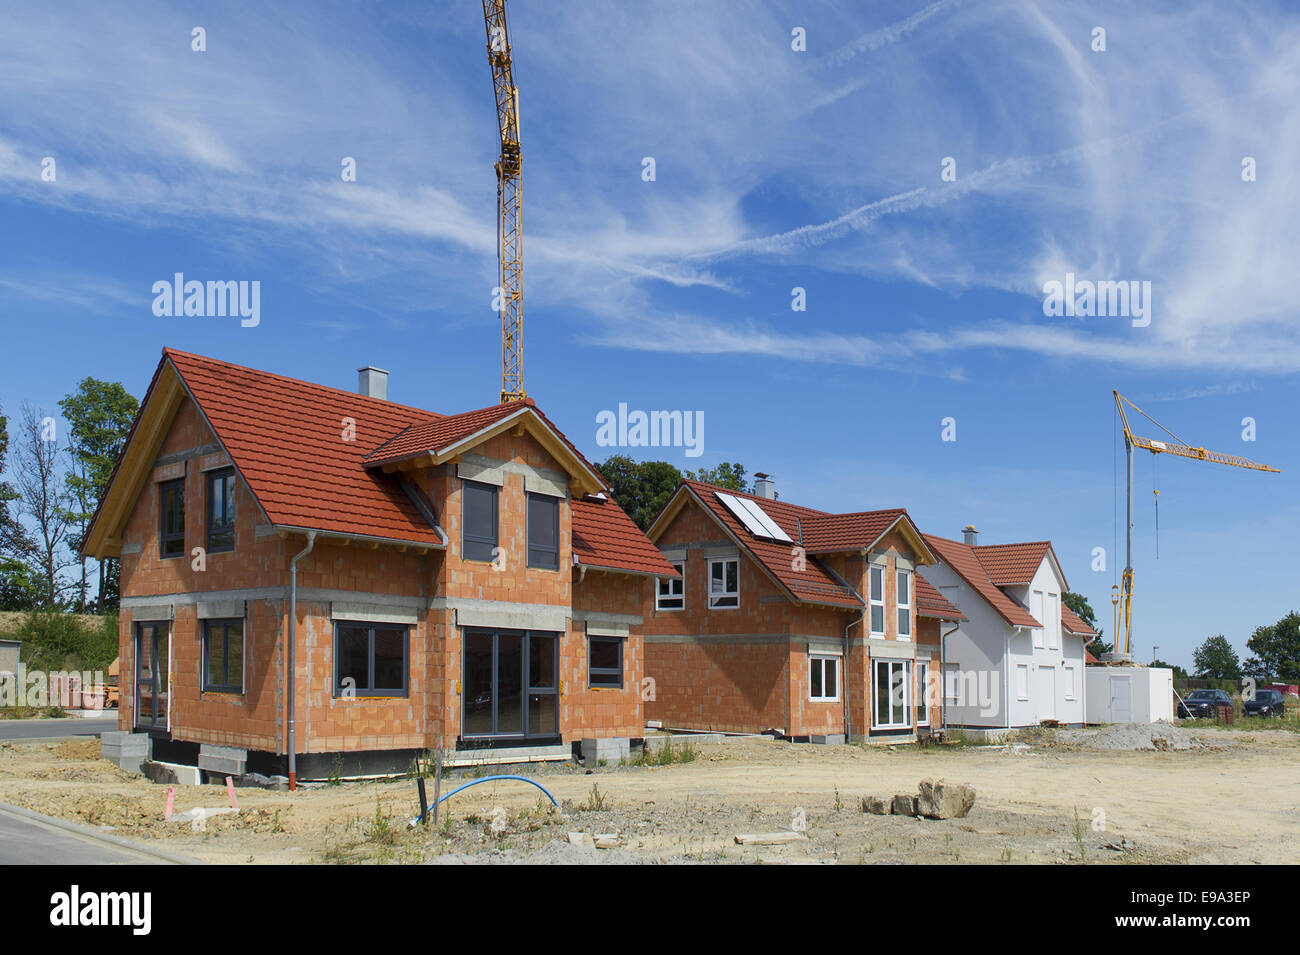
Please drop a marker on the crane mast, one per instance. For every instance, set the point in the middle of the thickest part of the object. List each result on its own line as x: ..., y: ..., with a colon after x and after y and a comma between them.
x: 1124, y: 609
x: 510, y: 226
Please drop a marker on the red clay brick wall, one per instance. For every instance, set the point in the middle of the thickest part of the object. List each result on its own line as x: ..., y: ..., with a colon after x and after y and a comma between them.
x: 603, y: 711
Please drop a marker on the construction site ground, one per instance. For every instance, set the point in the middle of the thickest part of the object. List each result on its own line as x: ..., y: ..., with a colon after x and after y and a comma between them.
x: 1054, y: 797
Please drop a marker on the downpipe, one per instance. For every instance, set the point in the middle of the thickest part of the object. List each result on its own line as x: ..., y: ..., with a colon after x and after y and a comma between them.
x: 293, y: 642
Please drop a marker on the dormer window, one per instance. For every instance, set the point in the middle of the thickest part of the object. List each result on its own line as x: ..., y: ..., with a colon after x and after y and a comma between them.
x: 478, y: 510
x: 221, y: 510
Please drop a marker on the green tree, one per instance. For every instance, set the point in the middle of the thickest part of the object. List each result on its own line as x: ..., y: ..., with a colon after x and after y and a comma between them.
x: 1275, y: 650
x: 728, y: 475
x: 1179, y: 672
x: 1079, y: 604
x: 1216, y: 659
x: 16, y: 546
x: 99, y: 416
x: 641, y: 488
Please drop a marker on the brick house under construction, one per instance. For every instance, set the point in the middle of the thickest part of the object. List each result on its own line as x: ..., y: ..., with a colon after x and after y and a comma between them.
x: 318, y: 581
x: 786, y: 618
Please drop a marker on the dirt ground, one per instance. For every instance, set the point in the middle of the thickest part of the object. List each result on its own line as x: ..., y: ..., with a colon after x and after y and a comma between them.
x: 1231, y: 799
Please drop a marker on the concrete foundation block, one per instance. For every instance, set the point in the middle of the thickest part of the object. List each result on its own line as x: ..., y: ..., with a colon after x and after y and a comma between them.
x: 172, y: 774
x: 610, y: 751
x: 222, y: 760
x: 126, y: 750
x: 830, y: 739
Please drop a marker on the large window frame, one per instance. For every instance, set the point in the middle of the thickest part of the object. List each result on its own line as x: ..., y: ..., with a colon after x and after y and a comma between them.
x: 601, y: 678
x: 876, y: 588
x: 530, y: 687
x: 1037, y: 609
x: 475, y: 545
x: 898, y: 675
x: 903, y: 582
x: 543, y: 556
x: 819, y: 665
x: 226, y: 631
x: 672, y: 597
x: 171, y: 519
x: 368, y: 687
x: 1052, y: 620
x: 221, y: 510
x: 724, y: 599
x: 922, y: 671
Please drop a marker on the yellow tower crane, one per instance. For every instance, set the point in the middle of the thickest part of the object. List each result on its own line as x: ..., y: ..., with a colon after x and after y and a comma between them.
x: 510, y: 225
x: 1124, y: 599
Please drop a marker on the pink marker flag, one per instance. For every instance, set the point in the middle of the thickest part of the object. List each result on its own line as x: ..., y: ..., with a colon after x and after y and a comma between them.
x: 171, y: 800
x: 230, y: 788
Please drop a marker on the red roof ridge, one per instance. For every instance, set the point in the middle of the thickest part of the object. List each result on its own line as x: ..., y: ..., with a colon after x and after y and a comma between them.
x: 170, y: 352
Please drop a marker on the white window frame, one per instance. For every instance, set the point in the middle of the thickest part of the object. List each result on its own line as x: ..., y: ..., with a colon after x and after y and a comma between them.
x: 1037, y: 609
x: 874, y: 602
x: 1052, y: 620
x: 1068, y: 672
x: 824, y: 659
x: 905, y: 684
x: 922, y: 672
x: 725, y: 594
x: 905, y: 608
x: 673, y: 582
x: 1022, y: 689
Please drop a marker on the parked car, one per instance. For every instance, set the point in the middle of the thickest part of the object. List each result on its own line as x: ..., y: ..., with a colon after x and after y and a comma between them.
x: 1265, y: 703
x: 1203, y: 703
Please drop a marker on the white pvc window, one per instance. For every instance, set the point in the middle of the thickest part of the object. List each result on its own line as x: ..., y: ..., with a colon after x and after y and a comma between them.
x: 922, y: 693
x: 823, y: 679
x: 724, y: 584
x: 1067, y: 677
x: 904, y: 604
x: 1022, y: 681
x: 1052, y: 621
x: 877, y: 575
x: 1036, y: 608
x: 892, y: 694
x: 671, y: 594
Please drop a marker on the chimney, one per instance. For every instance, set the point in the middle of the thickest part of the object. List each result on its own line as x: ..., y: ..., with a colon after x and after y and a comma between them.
x: 970, y: 534
x: 372, y: 382
x: 764, y: 486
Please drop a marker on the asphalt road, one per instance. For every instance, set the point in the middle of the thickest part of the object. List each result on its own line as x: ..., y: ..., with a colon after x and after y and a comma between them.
x: 54, y: 729
x: 26, y: 841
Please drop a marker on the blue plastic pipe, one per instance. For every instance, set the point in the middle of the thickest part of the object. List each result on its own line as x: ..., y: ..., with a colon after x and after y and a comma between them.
x: 487, y: 779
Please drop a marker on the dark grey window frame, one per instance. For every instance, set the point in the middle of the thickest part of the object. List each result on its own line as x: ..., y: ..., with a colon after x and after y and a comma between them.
x: 210, y: 478
x: 164, y: 512
x: 527, y: 681
x: 341, y: 692
x: 592, y: 640
x: 209, y: 686
x: 529, y: 545
x: 466, y: 538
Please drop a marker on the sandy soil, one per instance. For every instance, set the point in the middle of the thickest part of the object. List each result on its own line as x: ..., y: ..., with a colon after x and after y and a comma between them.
x: 1231, y: 800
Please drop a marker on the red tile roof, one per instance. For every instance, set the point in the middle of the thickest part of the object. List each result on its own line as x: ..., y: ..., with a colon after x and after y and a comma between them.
x: 812, y: 583
x: 285, y: 437
x: 1071, y: 622
x: 931, y: 603
x: 827, y: 533
x: 963, y: 559
x: 605, y: 537
x: 1008, y: 564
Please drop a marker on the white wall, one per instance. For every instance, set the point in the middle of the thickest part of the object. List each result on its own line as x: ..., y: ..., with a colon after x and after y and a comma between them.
x: 978, y: 649
x: 1151, y: 696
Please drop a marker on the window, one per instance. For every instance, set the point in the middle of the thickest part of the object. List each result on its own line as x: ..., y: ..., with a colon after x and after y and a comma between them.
x: 905, y: 604
x: 1067, y: 677
x: 221, y: 510
x: 543, y: 532
x: 892, y: 694
x: 1036, y: 611
x: 671, y: 594
x: 510, y: 684
x: 823, y: 679
x: 922, y: 693
x: 223, y: 656
x: 877, y: 599
x: 478, y: 512
x: 171, y: 526
x: 1022, y: 681
x: 605, y: 662
x: 370, y: 659
x: 724, y: 583
x: 1052, y: 622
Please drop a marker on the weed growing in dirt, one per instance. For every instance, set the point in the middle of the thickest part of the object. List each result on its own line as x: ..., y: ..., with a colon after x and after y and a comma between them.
x: 839, y: 803
x: 1078, y: 836
x: 336, y: 770
x: 666, y: 755
x: 382, y: 831
x: 596, y: 801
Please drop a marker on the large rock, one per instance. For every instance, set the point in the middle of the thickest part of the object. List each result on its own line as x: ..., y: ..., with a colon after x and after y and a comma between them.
x: 940, y: 800
x: 876, y: 805
x: 903, y: 805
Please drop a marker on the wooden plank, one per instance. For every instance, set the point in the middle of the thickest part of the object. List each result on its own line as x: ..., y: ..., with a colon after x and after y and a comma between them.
x: 768, y: 838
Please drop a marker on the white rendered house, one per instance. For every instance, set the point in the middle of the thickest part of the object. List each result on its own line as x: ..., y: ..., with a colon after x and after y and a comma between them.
x: 1018, y: 658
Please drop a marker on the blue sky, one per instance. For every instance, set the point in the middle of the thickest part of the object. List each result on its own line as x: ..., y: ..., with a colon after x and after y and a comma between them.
x: 775, y: 169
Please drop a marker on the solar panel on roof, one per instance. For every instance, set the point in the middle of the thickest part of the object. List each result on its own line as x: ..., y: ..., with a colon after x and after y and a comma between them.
x: 753, y: 517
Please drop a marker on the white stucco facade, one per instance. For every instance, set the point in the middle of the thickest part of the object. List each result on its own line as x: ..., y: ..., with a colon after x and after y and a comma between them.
x: 1003, y: 676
